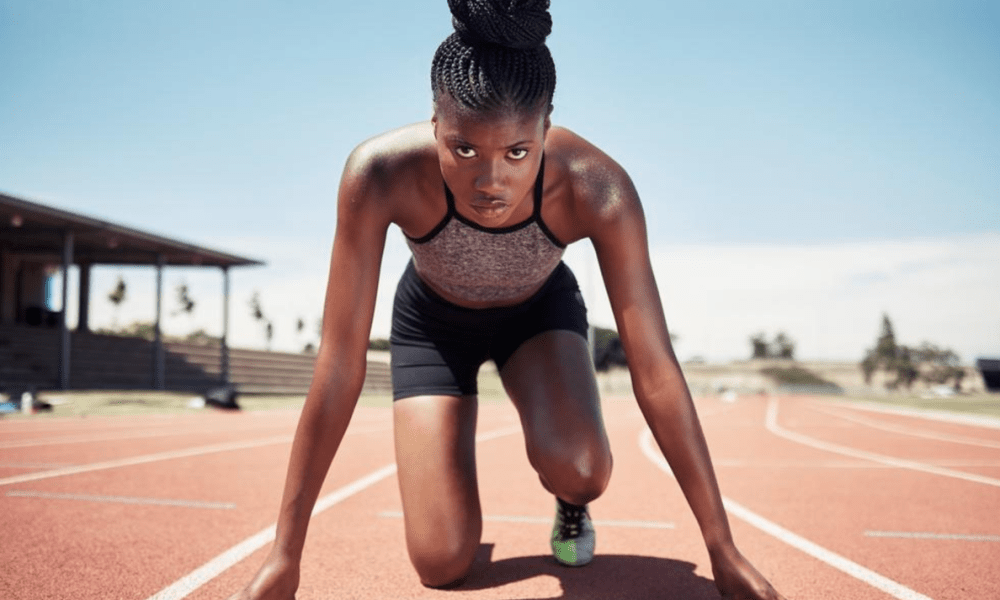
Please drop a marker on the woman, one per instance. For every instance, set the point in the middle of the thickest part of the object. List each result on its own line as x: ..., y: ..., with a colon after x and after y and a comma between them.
x: 489, y: 194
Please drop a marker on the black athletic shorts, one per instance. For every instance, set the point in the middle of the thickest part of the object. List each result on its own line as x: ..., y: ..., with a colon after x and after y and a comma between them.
x: 437, y: 347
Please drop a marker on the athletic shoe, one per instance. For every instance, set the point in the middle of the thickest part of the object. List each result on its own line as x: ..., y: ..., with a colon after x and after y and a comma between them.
x: 572, y: 535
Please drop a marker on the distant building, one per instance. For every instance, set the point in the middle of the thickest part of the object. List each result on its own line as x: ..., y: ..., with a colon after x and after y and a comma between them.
x: 39, y: 241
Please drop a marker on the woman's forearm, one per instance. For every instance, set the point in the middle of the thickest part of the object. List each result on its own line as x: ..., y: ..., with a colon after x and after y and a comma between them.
x: 324, y: 419
x: 666, y: 404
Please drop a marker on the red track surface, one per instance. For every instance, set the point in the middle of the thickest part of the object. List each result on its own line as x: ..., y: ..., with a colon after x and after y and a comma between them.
x: 863, y: 487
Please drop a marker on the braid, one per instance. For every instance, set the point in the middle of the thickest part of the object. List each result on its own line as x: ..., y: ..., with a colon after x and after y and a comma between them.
x: 497, y: 59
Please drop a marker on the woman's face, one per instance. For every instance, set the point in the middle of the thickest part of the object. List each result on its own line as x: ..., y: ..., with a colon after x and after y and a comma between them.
x: 489, y: 161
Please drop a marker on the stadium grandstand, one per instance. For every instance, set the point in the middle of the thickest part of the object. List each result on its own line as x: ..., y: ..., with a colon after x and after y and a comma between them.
x: 39, y: 350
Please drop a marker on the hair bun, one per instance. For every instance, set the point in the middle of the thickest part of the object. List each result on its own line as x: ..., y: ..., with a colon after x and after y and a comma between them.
x: 520, y: 24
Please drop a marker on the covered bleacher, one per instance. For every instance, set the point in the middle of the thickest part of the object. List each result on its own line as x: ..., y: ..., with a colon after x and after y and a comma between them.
x: 38, y: 350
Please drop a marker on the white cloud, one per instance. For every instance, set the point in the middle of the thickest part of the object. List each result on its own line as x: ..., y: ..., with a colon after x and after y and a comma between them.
x: 830, y: 297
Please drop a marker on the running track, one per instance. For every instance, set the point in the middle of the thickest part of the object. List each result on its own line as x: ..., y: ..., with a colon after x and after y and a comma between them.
x: 829, y: 500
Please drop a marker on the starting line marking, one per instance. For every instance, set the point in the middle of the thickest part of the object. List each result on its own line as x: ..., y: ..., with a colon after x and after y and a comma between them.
x: 395, y: 514
x: 213, y: 568
x: 918, y: 535
x: 123, y: 500
x: 771, y: 422
x: 880, y: 582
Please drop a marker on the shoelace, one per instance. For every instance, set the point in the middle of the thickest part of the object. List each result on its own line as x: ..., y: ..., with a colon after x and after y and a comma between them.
x: 570, y: 520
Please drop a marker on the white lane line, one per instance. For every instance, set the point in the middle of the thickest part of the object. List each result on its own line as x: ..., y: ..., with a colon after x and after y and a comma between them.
x: 843, y: 464
x: 86, y: 439
x: 218, y: 565
x: 880, y: 582
x: 910, y: 431
x: 96, y: 438
x: 146, y: 458
x: 917, y: 535
x: 20, y: 465
x: 930, y: 414
x: 123, y: 500
x: 548, y: 521
x: 771, y: 422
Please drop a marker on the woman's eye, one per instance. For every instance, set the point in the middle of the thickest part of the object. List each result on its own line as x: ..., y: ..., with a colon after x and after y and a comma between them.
x: 518, y: 153
x: 465, y: 152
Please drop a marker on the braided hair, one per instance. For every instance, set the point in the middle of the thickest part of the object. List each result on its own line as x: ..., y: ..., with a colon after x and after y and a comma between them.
x: 496, y: 60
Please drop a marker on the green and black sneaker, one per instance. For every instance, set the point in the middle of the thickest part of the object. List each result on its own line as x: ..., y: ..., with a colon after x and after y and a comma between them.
x: 572, y: 535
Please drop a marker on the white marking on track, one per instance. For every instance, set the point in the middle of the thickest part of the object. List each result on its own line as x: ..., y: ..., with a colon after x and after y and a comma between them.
x: 910, y: 431
x: 218, y: 565
x: 548, y: 520
x: 842, y: 464
x: 918, y: 535
x: 171, y: 454
x: 146, y: 458
x: 876, y: 580
x: 33, y: 465
x: 942, y: 416
x: 771, y: 422
x: 123, y: 500
x: 115, y: 437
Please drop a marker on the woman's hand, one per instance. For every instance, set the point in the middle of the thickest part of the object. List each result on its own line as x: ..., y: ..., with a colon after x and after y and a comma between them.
x: 277, y: 579
x: 737, y: 579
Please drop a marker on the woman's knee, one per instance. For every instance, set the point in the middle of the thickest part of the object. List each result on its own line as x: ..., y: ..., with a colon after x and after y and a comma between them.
x: 577, y: 475
x: 443, y: 567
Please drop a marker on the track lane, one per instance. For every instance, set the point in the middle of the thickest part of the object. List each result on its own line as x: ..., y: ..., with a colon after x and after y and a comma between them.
x: 101, y: 549
x: 852, y: 501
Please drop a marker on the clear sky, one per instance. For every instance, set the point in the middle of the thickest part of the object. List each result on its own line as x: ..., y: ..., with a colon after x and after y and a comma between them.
x: 804, y: 166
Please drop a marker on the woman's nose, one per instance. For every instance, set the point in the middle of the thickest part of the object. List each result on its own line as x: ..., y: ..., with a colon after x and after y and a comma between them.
x: 492, y: 178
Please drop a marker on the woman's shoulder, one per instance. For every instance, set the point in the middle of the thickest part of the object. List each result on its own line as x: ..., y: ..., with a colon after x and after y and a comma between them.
x: 397, y: 159
x: 598, y: 187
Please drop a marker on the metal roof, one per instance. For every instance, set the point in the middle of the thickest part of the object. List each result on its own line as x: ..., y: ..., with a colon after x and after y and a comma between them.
x: 38, y: 230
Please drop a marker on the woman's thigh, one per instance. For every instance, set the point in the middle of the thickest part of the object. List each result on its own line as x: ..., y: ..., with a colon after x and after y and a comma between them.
x: 550, y: 378
x: 435, y: 453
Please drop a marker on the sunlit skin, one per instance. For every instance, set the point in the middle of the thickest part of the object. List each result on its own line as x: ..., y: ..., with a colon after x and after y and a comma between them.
x: 490, y: 163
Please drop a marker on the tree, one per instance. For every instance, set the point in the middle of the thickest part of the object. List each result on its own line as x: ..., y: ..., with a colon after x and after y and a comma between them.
x: 257, y: 312
x: 939, y: 365
x: 116, y: 297
x: 185, y: 304
x: 378, y: 344
x: 608, y: 350
x: 928, y: 362
x: 782, y: 346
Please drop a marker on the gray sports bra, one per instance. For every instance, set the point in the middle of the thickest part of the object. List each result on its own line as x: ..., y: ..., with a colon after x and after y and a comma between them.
x: 487, y: 264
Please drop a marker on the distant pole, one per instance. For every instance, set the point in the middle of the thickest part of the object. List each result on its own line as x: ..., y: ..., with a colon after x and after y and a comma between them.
x: 83, y: 320
x: 224, y: 350
x: 64, y: 339
x: 159, y: 362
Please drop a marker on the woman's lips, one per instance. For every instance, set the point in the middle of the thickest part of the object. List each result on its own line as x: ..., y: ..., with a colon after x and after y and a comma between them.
x: 489, y: 207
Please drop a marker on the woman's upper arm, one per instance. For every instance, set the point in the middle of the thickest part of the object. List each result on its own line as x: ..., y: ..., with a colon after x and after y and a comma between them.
x: 363, y: 218
x: 618, y: 232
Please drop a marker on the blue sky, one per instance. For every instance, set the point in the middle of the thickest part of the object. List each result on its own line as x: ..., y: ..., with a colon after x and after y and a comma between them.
x: 772, y: 142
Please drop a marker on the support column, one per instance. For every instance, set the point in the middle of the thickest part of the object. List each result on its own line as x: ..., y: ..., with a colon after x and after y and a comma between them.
x: 4, y: 277
x: 224, y: 350
x: 64, y: 338
x: 159, y: 362
x: 83, y: 321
